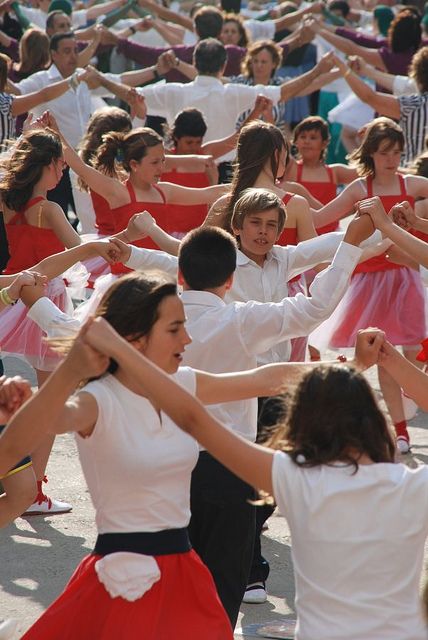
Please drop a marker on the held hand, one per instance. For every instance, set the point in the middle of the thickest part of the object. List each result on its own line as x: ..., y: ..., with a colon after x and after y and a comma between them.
x: 312, y: 25
x: 404, y: 215
x: 374, y: 208
x: 139, y: 226
x: 100, y: 336
x: 121, y: 250
x: 211, y: 170
x: 368, y: 345
x: 166, y: 61
x: 25, y: 279
x: 50, y: 122
x: 357, y: 64
x: 109, y: 38
x: 13, y: 393
x: 327, y: 62
x: 91, y: 76
x: 137, y: 103
x: 110, y: 252
x: 83, y: 359
x: 388, y: 354
x: 360, y: 228
x: 145, y: 24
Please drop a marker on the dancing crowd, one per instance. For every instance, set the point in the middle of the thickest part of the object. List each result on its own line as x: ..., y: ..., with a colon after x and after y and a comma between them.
x: 199, y: 205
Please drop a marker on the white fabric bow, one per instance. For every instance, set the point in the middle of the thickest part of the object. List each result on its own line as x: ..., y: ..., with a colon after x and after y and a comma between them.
x: 127, y: 575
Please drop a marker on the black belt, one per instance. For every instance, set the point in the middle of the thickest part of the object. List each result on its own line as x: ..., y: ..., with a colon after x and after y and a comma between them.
x: 157, y: 543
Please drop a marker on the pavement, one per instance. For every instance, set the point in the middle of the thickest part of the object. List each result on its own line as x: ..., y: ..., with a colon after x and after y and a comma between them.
x: 38, y: 555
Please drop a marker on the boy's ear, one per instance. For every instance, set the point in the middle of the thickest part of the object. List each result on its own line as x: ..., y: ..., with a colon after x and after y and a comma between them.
x: 180, y: 278
x: 229, y: 282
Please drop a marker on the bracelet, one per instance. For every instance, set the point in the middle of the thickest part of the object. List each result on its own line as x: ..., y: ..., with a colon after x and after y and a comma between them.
x: 5, y: 297
x: 342, y: 358
x: 73, y: 81
x: 132, y: 29
x: 156, y: 74
x: 346, y: 74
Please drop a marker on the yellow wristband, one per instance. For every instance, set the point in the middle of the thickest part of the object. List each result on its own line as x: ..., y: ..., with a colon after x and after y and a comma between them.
x: 5, y: 297
x: 346, y: 74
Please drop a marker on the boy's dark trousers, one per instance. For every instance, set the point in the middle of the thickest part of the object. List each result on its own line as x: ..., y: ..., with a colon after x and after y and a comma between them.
x: 222, y: 528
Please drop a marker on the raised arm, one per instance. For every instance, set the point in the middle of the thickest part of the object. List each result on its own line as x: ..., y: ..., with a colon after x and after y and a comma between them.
x: 341, y: 206
x: 350, y: 48
x: 176, y: 194
x: 292, y: 87
x: 23, y: 103
x: 382, y: 102
x: 112, y: 189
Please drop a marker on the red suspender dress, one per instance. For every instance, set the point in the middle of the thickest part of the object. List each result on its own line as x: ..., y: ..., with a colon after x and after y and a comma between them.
x: 295, y: 285
x: 122, y: 215
x: 28, y: 244
x: 382, y: 294
x: 325, y: 192
x: 103, y: 215
x: 184, y: 218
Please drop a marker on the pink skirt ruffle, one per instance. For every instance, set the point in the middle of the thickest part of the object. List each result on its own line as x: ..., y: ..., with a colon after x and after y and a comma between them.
x: 20, y: 335
x: 298, y: 345
x: 96, y: 266
x: 392, y: 300
x: 182, y: 605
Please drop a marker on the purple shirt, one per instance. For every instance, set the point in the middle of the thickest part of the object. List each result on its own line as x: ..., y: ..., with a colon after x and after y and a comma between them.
x: 148, y: 56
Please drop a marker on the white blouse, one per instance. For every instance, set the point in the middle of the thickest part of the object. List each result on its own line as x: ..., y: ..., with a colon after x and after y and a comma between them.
x: 137, y: 465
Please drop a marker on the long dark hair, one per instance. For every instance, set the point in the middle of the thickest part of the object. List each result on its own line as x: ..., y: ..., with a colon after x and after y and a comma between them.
x: 334, y: 417
x: 121, y: 148
x: 21, y: 172
x: 102, y: 122
x: 258, y: 143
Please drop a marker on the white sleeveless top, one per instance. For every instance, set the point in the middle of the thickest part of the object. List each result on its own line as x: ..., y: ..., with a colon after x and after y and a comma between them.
x: 357, y: 548
x: 137, y: 466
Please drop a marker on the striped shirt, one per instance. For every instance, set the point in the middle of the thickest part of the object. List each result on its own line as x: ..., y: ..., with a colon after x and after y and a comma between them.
x: 7, y: 121
x: 414, y: 122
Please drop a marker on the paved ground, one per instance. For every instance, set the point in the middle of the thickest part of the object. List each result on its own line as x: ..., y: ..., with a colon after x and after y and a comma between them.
x: 38, y: 555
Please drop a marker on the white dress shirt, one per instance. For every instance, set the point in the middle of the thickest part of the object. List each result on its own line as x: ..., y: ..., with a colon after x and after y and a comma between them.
x: 72, y: 109
x: 268, y: 283
x: 39, y: 17
x: 221, y: 104
x: 230, y: 337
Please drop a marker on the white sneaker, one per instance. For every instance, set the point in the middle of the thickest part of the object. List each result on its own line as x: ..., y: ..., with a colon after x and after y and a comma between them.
x: 44, y: 506
x: 409, y: 406
x: 8, y: 629
x: 403, y: 445
x: 255, y: 594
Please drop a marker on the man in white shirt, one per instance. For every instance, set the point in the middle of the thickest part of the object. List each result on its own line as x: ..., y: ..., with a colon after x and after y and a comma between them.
x: 38, y: 16
x: 220, y: 104
x: 71, y: 111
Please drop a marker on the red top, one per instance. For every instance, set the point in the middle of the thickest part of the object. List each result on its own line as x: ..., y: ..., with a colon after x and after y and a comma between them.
x: 289, y: 234
x: 325, y: 192
x: 28, y: 244
x: 184, y: 218
x: 103, y: 216
x: 121, y: 216
x: 380, y: 263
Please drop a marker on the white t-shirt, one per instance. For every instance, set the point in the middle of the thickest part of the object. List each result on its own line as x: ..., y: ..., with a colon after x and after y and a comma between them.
x: 357, y: 548
x: 137, y: 466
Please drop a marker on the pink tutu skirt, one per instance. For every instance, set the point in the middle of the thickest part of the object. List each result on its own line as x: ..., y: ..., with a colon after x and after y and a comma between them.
x: 298, y: 345
x: 391, y: 300
x: 96, y: 266
x: 20, y: 335
x: 88, y: 308
x: 182, y: 605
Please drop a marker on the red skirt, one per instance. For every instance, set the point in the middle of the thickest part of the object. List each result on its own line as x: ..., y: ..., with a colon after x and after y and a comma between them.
x: 182, y: 605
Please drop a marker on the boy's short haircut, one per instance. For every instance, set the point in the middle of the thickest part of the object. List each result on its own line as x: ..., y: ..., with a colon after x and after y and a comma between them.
x: 256, y: 201
x: 207, y: 258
